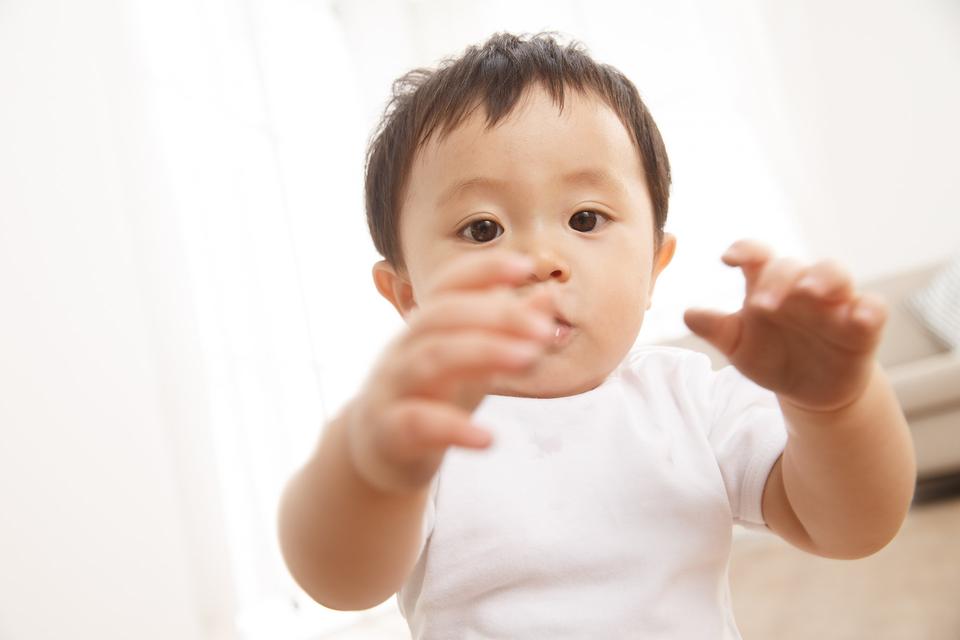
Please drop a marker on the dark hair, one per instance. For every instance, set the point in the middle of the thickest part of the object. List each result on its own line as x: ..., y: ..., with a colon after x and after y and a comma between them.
x: 495, y: 75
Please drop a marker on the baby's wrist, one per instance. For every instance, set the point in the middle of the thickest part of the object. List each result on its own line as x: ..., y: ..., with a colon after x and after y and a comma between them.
x: 835, y: 410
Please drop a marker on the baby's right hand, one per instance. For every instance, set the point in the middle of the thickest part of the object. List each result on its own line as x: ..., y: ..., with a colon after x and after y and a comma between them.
x: 470, y: 327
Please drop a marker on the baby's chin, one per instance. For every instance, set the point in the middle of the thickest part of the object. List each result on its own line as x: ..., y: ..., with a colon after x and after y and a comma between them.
x: 546, y: 381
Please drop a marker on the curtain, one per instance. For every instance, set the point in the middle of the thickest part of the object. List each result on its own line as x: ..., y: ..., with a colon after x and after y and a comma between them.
x: 251, y: 106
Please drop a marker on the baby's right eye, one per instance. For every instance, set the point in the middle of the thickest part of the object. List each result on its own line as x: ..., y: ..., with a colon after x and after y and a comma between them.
x: 481, y: 231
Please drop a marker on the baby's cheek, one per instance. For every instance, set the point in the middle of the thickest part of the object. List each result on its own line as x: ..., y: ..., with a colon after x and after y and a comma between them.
x: 632, y: 316
x: 625, y: 309
x: 616, y: 329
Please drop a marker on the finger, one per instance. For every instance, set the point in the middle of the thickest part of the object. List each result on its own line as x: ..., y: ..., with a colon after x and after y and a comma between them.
x: 417, y: 424
x: 773, y: 283
x: 827, y: 281
x: 480, y: 270
x: 867, y: 318
x: 719, y: 329
x: 492, y: 311
x: 855, y: 325
x: 749, y: 255
x: 543, y: 299
x: 430, y: 365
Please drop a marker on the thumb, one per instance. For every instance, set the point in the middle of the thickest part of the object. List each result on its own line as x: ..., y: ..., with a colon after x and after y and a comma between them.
x: 719, y: 329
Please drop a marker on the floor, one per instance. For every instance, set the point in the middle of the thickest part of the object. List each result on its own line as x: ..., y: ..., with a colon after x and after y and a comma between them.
x: 908, y: 591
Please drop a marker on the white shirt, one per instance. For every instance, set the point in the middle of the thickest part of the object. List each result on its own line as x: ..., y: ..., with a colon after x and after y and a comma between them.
x: 607, y: 514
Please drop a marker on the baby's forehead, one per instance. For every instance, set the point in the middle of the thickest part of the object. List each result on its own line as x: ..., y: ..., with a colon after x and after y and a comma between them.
x: 539, y: 136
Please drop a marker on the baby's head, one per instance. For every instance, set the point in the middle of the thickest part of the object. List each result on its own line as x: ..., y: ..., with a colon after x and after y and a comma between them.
x: 526, y: 145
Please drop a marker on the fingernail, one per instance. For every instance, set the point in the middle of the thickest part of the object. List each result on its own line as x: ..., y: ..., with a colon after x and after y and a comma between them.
x: 521, y: 263
x: 864, y: 314
x: 544, y: 327
x: 479, y: 437
x: 765, y: 301
x: 546, y: 293
x: 526, y: 352
x: 809, y: 283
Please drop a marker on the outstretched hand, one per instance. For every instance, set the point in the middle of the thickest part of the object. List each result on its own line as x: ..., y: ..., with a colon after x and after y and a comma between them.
x: 803, y: 331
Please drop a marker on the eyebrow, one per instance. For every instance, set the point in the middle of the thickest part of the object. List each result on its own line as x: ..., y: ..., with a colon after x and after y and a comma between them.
x: 591, y: 177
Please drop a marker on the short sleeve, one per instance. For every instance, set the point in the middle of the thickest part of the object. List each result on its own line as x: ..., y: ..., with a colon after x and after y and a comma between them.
x: 747, y: 432
x: 429, y: 514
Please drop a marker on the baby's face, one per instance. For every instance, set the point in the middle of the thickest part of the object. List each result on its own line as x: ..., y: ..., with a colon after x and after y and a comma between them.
x: 566, y: 189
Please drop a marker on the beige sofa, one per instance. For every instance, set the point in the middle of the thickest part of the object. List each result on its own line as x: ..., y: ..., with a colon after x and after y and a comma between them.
x: 925, y: 375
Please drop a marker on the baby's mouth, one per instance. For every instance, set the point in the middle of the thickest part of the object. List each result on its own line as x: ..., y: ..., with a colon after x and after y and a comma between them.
x: 562, y: 333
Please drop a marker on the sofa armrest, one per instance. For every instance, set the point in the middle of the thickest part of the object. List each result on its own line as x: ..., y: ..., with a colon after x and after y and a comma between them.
x: 927, y: 384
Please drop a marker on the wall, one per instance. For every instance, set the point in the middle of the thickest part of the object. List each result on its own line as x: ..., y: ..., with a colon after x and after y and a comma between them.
x: 871, y: 92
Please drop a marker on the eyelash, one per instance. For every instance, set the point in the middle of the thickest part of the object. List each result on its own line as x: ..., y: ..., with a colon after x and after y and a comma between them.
x: 607, y: 219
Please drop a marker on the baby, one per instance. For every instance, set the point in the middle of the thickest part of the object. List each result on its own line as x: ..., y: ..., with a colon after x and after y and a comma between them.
x: 513, y: 466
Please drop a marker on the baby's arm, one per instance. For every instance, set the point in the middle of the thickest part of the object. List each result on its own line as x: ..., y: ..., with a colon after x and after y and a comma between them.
x: 350, y: 520
x: 347, y: 544
x: 846, y: 478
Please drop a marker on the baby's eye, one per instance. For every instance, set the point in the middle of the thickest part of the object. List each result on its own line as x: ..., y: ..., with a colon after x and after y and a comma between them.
x: 481, y: 231
x: 585, y: 220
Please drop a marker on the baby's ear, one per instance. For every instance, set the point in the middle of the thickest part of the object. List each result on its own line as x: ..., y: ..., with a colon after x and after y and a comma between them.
x: 394, y: 285
x: 660, y: 261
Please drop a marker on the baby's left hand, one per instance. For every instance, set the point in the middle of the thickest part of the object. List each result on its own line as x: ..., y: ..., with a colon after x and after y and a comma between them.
x: 803, y: 332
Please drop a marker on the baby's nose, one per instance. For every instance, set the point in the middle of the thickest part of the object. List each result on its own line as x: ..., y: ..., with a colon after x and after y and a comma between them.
x: 549, y: 268
x: 556, y: 274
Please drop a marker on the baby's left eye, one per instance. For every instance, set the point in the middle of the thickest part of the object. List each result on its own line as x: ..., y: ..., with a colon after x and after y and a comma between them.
x: 585, y: 220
